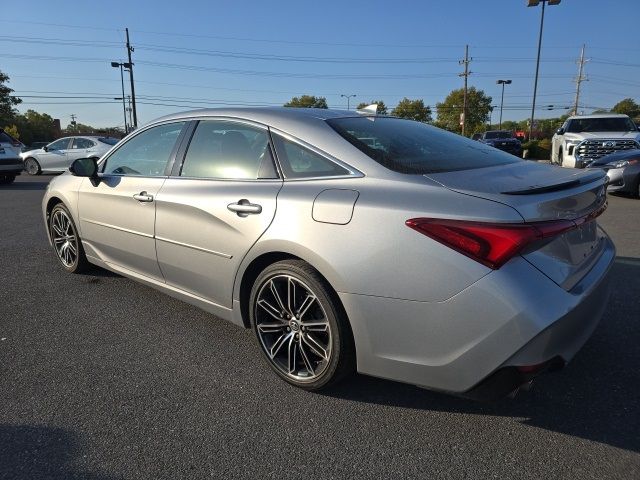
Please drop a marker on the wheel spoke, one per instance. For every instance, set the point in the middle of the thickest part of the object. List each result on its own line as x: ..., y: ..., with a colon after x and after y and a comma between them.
x: 271, y: 327
x: 305, y: 305
x: 305, y: 359
x: 58, y: 240
x: 72, y: 247
x: 270, y: 309
x: 291, y: 295
x: 293, y: 347
x: 276, y: 295
x: 279, y: 343
x: 315, y: 346
x: 316, y: 326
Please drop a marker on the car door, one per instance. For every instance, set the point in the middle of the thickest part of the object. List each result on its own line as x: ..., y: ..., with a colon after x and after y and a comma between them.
x: 215, y: 206
x: 55, y: 156
x: 117, y: 215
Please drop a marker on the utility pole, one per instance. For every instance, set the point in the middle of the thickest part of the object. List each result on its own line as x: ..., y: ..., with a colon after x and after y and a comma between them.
x: 465, y: 74
x: 73, y: 121
x: 133, y: 91
x: 579, y: 79
x: 129, y: 109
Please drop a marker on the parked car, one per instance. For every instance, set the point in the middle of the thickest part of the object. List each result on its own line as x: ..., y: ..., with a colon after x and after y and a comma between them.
x: 58, y: 155
x: 10, y: 161
x: 584, y: 139
x: 623, y: 171
x: 349, y: 241
x: 502, y: 140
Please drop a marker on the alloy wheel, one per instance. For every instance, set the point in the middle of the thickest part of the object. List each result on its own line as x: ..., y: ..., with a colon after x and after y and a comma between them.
x: 293, y: 328
x: 64, y: 238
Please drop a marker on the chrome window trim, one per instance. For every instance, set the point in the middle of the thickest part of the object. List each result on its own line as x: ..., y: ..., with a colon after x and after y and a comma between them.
x: 353, y: 173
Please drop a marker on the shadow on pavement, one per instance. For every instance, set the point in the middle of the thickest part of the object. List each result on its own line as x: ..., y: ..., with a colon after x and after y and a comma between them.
x: 595, y: 397
x: 28, y: 451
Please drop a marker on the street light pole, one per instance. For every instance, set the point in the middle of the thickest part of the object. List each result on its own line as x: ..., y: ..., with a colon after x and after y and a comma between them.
x: 124, y: 107
x: 348, y: 97
x: 534, y: 3
x: 503, y: 83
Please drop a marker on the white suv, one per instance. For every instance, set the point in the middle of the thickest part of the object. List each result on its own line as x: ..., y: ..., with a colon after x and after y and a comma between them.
x: 583, y: 139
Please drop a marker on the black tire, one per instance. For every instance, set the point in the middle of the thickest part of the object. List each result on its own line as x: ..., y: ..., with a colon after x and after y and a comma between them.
x: 32, y: 167
x: 7, y: 179
x: 560, y: 157
x: 323, y: 310
x: 78, y: 262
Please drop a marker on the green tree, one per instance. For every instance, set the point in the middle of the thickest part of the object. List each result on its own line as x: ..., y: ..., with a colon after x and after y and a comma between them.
x: 382, y: 108
x: 413, y: 110
x: 35, y: 127
x: 7, y: 101
x: 13, y: 131
x: 628, y: 106
x: 478, y: 107
x: 307, y: 101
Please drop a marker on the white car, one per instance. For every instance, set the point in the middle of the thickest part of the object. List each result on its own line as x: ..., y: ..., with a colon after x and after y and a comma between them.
x: 60, y: 154
x: 583, y: 139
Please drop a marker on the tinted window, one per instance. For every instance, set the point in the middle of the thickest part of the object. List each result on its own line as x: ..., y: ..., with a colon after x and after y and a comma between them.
x: 4, y: 138
x: 228, y: 150
x: 300, y: 162
x: 146, y: 153
x: 497, y: 134
x: 406, y: 146
x: 82, y: 143
x: 108, y: 140
x: 61, y: 144
x: 614, y: 124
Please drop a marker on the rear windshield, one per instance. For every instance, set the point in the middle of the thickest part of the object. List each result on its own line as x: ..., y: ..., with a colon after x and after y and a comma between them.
x: 108, y: 140
x: 619, y: 124
x: 490, y: 135
x: 406, y: 146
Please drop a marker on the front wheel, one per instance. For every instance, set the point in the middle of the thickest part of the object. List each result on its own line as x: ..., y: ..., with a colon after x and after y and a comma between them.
x: 66, y: 241
x: 302, y: 331
x: 32, y: 167
x: 560, y: 157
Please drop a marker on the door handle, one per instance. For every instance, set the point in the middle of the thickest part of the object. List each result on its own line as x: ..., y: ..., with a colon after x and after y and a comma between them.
x: 143, y: 197
x: 244, y: 208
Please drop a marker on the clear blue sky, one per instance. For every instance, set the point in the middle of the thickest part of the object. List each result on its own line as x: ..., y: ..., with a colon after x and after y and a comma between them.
x: 65, y: 48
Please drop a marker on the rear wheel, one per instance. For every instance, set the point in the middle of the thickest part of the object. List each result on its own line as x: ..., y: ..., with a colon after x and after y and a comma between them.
x: 66, y: 241
x: 7, y: 179
x: 32, y: 167
x: 300, y: 326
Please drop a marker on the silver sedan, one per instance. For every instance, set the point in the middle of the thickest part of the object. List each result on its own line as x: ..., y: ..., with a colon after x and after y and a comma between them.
x: 348, y: 242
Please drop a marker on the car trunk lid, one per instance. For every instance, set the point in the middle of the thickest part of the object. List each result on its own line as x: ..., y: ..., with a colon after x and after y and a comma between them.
x: 542, y: 193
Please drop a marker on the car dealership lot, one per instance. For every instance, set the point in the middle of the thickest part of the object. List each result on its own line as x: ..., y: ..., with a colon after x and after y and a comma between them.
x: 103, y: 378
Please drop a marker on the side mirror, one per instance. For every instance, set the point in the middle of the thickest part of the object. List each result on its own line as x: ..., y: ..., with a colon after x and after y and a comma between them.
x: 86, y: 167
x: 560, y: 131
x: 45, y: 148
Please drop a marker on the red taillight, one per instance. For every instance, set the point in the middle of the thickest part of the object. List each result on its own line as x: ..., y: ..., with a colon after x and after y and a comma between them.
x: 493, y: 244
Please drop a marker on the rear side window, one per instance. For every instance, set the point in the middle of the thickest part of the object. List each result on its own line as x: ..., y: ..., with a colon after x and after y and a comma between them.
x: 300, y: 162
x: 228, y: 150
x: 108, y: 140
x: 81, y: 143
x: 4, y: 138
x: 145, y: 154
x: 406, y: 146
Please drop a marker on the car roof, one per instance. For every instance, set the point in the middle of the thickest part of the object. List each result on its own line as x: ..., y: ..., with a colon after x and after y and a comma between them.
x: 599, y: 115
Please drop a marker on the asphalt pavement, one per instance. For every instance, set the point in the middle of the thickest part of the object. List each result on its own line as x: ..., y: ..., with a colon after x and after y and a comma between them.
x: 103, y: 378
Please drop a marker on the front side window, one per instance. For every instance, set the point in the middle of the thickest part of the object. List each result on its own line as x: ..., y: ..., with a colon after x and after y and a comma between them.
x: 145, y: 154
x: 300, y: 162
x: 228, y: 150
x: 61, y: 144
x: 81, y: 143
x: 406, y: 146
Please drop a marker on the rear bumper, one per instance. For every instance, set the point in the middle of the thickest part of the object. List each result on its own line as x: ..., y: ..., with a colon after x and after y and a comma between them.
x: 11, y: 166
x: 513, y: 317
